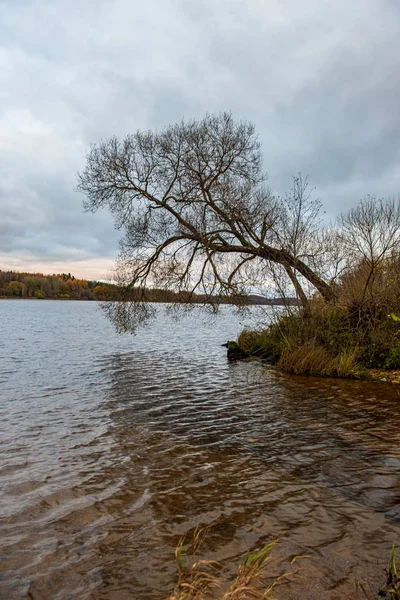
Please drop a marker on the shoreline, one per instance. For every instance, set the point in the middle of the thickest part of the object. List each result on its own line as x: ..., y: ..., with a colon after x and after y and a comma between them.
x: 372, y: 375
x: 147, y: 301
x: 391, y: 377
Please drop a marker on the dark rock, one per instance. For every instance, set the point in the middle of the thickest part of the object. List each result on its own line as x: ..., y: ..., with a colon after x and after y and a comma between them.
x: 235, y: 352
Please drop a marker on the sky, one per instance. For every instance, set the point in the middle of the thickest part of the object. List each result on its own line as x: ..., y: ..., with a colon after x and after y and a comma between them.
x: 320, y: 79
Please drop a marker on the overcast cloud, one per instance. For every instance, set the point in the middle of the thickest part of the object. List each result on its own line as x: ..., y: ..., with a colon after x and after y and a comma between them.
x: 320, y: 80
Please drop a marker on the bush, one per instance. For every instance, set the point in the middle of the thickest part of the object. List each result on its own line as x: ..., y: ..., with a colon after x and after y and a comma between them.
x: 343, y: 338
x: 393, y: 360
x: 257, y: 343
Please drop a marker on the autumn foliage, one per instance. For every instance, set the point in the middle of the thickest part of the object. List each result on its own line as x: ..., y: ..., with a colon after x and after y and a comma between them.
x: 64, y: 286
x: 56, y: 286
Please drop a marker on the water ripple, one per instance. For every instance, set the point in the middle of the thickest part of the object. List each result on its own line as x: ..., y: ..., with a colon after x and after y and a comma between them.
x: 112, y: 447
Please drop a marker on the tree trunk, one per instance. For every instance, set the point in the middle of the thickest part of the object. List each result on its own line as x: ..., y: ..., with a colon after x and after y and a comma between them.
x: 299, y: 290
x: 287, y: 260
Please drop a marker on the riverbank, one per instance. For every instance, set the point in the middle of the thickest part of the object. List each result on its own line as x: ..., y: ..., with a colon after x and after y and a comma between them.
x: 383, y: 376
x: 355, y: 333
x: 236, y: 352
x: 348, y: 341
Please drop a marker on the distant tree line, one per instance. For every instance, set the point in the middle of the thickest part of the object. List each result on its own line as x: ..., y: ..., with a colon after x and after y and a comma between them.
x: 64, y: 286
x: 56, y: 286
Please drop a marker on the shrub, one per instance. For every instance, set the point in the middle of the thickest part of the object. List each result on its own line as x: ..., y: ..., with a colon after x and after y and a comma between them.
x: 341, y: 338
x: 393, y: 360
x: 257, y: 342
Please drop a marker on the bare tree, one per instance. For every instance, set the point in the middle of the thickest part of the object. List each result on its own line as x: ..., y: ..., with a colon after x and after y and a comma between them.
x: 197, y: 213
x: 370, y: 233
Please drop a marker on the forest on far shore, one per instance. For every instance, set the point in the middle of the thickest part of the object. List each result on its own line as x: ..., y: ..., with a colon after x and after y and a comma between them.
x: 64, y: 286
x: 57, y: 286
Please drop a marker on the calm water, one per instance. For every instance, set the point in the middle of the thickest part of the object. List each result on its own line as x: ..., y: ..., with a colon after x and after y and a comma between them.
x: 112, y: 447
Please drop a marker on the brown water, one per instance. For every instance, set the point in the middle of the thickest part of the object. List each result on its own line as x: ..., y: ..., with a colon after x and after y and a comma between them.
x: 112, y: 447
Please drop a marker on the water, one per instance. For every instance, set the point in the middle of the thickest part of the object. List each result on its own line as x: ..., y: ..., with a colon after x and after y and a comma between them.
x: 113, y: 446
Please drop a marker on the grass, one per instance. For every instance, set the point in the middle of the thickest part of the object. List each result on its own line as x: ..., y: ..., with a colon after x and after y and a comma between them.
x: 248, y: 582
x: 392, y: 588
x: 201, y: 580
x: 314, y: 359
x: 358, y: 330
x: 310, y: 357
x: 254, y: 342
x: 200, y: 577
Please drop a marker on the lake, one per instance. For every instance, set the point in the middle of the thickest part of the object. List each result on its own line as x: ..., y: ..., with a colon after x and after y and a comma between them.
x: 113, y: 446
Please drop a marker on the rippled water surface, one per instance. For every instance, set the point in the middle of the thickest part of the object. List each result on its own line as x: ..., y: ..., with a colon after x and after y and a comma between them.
x: 113, y: 446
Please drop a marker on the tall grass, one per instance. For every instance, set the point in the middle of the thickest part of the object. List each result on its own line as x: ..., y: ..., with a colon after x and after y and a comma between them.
x: 308, y: 357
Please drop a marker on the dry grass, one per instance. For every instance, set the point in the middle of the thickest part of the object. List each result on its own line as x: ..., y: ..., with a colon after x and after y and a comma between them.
x: 347, y: 364
x: 293, y: 343
x: 199, y: 580
x: 313, y: 359
x: 310, y: 359
x: 200, y: 577
x: 249, y: 582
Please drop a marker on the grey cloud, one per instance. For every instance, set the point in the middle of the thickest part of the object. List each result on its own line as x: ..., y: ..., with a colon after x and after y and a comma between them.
x: 319, y: 80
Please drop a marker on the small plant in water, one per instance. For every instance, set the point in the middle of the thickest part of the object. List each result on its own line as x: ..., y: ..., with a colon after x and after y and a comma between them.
x: 249, y: 580
x: 199, y: 580
x: 200, y: 577
x: 392, y: 588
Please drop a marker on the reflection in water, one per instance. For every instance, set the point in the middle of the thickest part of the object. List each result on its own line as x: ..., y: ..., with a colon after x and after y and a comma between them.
x: 111, y: 452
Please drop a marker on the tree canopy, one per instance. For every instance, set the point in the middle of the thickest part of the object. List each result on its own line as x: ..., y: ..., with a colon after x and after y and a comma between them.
x: 198, y: 215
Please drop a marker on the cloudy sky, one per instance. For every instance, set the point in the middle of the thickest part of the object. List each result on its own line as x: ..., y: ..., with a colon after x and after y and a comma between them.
x: 319, y: 78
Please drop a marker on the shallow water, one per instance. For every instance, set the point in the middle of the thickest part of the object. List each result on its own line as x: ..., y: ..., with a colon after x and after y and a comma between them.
x: 112, y: 447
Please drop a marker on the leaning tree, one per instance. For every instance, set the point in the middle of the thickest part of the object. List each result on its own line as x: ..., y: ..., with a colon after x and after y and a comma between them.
x: 197, y: 213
